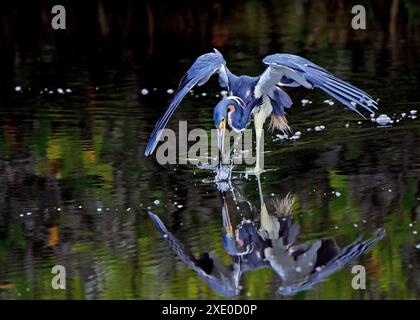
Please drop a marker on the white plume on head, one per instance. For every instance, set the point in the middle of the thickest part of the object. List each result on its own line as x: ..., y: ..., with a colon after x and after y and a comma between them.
x: 238, y: 100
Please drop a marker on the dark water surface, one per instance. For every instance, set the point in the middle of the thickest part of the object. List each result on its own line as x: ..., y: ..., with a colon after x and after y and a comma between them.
x: 75, y: 186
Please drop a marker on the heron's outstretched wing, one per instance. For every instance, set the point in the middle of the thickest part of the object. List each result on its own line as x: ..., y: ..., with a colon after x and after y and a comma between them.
x: 293, y: 71
x: 345, y: 256
x: 198, y: 74
x: 208, y: 267
x: 175, y: 245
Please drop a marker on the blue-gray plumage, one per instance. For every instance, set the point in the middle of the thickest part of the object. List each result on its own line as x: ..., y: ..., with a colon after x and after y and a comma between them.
x: 223, y: 279
x: 273, y: 245
x: 337, y: 261
x: 261, y: 96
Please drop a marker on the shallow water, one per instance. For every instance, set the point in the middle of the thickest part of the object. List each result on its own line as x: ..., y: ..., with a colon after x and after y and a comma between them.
x: 76, y: 187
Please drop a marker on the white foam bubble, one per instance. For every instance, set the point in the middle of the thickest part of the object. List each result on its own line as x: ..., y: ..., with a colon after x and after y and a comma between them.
x: 383, y: 120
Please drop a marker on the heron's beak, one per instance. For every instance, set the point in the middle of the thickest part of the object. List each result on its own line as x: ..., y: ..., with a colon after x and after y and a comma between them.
x: 221, y: 140
x: 226, y: 219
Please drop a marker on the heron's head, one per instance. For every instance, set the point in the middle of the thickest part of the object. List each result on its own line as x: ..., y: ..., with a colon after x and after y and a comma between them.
x: 224, y: 109
x: 223, y: 118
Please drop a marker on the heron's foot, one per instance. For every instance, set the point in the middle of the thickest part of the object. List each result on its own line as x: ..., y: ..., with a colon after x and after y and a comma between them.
x: 223, y: 173
x: 254, y: 171
x: 207, y: 166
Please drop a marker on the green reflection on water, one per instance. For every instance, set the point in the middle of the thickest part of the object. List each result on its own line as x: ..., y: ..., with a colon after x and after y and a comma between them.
x: 86, y: 150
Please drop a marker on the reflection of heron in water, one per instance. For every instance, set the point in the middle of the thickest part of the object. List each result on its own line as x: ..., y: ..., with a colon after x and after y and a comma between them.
x: 273, y: 245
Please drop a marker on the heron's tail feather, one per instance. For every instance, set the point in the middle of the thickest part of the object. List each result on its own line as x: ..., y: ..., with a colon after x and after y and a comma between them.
x: 279, y: 123
x: 283, y: 207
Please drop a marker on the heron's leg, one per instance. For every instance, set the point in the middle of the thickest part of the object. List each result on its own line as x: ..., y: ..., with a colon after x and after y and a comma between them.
x: 265, y: 219
x: 259, y: 120
x: 269, y: 224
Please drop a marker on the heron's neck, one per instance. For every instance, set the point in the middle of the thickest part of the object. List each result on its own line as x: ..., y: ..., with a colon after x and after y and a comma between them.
x: 240, y: 117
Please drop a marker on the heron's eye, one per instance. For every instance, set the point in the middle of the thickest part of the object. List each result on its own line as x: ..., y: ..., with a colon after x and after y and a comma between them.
x: 231, y: 108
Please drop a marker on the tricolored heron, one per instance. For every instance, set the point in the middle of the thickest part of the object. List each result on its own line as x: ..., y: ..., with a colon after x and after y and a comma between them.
x: 260, y: 96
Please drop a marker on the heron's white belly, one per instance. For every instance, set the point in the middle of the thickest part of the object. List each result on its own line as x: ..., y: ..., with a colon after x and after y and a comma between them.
x: 265, y: 110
